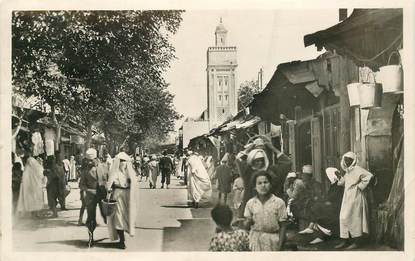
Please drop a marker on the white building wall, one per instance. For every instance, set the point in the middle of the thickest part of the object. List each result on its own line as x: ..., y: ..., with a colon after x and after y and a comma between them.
x: 193, y: 129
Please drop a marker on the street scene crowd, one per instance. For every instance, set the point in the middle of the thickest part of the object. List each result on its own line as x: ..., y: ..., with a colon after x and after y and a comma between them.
x: 266, y: 197
x: 313, y: 160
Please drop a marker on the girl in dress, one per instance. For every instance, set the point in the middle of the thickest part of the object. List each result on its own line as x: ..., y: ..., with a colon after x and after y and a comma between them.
x: 266, y: 216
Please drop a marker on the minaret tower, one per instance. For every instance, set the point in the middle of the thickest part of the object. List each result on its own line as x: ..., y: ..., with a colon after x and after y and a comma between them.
x: 221, y: 79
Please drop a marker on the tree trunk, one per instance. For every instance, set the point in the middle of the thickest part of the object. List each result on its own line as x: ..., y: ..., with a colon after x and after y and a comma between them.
x: 58, y: 127
x: 88, y: 140
x: 110, y: 143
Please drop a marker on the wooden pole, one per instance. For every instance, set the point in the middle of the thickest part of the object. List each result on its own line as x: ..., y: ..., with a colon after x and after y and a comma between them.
x: 344, y: 108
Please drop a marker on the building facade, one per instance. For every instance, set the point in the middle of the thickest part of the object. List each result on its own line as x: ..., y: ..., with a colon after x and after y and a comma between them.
x: 222, y: 97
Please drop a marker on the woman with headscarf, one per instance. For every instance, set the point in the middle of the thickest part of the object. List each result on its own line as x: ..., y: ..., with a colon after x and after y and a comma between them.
x: 354, y: 212
x: 257, y: 160
x: 31, y: 188
x: 122, y: 185
x: 279, y: 167
x: 154, y: 170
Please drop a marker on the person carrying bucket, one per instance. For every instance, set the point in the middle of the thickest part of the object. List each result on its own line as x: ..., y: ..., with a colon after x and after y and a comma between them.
x: 92, y: 185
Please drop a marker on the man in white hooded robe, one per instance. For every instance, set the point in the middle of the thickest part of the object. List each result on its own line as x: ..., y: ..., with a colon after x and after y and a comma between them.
x: 199, y: 184
x: 354, y: 213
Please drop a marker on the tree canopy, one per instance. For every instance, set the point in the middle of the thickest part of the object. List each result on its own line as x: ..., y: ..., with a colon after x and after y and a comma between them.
x: 246, y: 93
x: 98, y: 66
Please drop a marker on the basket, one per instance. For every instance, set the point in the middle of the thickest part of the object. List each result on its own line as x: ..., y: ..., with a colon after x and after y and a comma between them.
x: 108, y: 206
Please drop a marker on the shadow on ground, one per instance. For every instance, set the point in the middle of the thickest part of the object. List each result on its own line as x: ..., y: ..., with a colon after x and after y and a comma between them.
x: 82, y: 244
x: 192, y: 235
x: 24, y: 224
x: 176, y: 206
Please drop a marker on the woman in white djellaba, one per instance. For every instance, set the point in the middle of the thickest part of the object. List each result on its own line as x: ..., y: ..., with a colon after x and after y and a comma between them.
x: 122, y: 184
x: 31, y: 188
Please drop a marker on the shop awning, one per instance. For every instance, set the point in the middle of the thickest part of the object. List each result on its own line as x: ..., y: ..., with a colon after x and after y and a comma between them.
x: 297, y: 72
x: 231, y: 125
x: 285, y: 90
x: 47, y: 121
x: 368, y: 36
x: 248, y: 123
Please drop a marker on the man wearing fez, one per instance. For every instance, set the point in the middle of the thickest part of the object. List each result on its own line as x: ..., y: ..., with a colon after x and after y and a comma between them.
x: 92, y: 185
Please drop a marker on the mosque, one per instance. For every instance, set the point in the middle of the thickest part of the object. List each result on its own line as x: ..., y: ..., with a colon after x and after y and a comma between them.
x: 221, y: 83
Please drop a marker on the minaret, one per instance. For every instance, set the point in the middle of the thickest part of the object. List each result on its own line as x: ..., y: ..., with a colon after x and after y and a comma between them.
x: 221, y: 79
x: 220, y: 34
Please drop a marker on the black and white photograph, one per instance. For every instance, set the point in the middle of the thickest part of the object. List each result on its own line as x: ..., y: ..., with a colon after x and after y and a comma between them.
x: 135, y: 130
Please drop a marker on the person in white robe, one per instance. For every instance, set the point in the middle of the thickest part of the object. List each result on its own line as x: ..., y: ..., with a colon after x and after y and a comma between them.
x: 108, y: 160
x: 67, y: 169
x: 154, y: 171
x: 122, y: 185
x: 354, y: 212
x: 31, y: 188
x: 199, y: 185
x: 72, y: 168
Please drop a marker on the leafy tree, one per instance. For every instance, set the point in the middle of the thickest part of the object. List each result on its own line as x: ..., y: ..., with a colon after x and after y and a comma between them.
x: 97, y: 65
x: 246, y: 93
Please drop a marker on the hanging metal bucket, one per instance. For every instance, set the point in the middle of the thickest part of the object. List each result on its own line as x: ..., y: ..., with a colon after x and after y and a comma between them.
x: 353, y: 91
x: 370, y: 95
x: 108, y: 206
x: 391, y: 76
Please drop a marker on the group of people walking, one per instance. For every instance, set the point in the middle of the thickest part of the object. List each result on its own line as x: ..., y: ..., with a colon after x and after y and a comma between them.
x: 104, y: 182
x: 151, y: 167
x: 269, y: 197
x: 99, y: 180
x: 29, y: 181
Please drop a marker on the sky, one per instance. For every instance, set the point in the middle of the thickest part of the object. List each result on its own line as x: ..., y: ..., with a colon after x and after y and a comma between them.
x: 264, y: 39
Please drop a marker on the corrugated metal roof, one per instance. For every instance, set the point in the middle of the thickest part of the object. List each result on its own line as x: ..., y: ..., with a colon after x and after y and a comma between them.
x: 297, y: 72
x: 231, y: 125
x: 368, y: 36
x: 249, y: 123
